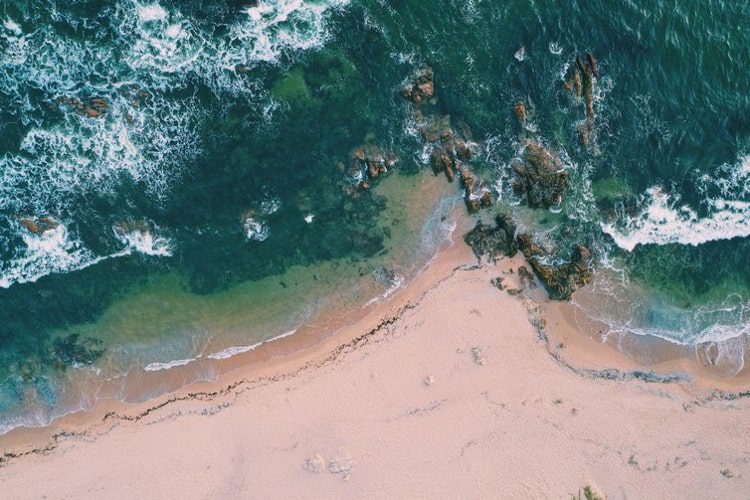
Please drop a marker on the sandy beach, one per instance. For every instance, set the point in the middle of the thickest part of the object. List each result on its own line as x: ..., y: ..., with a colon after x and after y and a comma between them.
x: 452, y: 389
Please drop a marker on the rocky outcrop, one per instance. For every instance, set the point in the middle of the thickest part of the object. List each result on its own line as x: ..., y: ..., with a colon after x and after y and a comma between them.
x: 94, y: 107
x: 540, y: 177
x: 495, y: 241
x: 562, y: 280
x: 451, y: 150
x: 580, y: 82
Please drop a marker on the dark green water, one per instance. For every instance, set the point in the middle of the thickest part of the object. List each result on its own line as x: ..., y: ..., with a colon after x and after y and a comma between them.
x: 224, y: 126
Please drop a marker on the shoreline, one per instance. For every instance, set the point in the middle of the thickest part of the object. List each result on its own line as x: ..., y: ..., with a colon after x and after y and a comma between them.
x: 309, y: 346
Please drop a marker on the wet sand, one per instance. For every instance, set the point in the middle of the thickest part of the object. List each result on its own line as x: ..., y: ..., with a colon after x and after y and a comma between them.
x: 453, y: 388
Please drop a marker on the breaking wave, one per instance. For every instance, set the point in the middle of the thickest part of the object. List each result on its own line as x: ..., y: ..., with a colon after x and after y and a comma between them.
x: 664, y: 220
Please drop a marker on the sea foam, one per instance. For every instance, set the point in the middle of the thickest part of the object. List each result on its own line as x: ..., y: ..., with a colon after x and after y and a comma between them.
x: 663, y: 222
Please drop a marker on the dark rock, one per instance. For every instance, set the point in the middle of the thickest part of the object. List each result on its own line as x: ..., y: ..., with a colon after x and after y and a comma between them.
x: 421, y: 87
x: 541, y: 177
x: 559, y: 281
x: 493, y: 241
x: 463, y: 152
x: 497, y: 283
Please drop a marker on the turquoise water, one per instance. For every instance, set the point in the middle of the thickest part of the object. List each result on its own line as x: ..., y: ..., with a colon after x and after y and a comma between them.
x: 213, y: 168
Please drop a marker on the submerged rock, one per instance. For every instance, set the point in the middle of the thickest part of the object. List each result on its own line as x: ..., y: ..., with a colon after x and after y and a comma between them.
x: 40, y: 225
x: 541, y: 176
x: 94, y: 107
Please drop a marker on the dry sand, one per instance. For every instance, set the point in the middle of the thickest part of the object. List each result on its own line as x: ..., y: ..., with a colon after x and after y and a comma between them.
x: 446, y: 391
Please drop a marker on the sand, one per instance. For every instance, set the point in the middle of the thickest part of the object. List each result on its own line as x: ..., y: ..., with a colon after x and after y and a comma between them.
x: 452, y: 390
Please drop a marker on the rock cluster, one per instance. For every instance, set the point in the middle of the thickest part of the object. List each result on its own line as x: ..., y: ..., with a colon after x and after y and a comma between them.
x: 540, y: 176
x: 368, y: 162
x: 421, y: 87
x: 94, y: 107
x: 580, y: 82
x: 560, y: 281
x: 451, y: 151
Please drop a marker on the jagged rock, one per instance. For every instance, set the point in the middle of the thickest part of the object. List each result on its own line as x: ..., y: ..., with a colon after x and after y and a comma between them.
x: 560, y: 281
x: 493, y: 241
x: 421, y: 87
x: 580, y: 81
x: 541, y: 177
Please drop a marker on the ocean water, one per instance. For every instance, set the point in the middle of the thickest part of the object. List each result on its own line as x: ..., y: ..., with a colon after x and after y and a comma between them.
x: 207, y: 205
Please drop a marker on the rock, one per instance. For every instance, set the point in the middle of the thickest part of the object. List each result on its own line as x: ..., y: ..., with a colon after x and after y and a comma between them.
x: 441, y: 160
x: 520, y: 111
x: 514, y: 291
x: 493, y: 241
x: 486, y: 199
x: 580, y: 81
x: 94, y: 107
x: 422, y: 86
x: 40, y: 225
x: 463, y: 152
x: 429, y: 380
x: 527, y: 279
x: 497, y: 283
x: 562, y: 280
x: 541, y: 177
x: 316, y: 463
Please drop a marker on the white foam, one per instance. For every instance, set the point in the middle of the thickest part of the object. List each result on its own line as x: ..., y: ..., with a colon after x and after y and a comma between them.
x: 255, y: 230
x: 143, y: 241
x: 52, y: 251
x: 309, y: 218
x: 235, y: 350
x: 152, y: 12
x: 12, y: 26
x: 663, y: 222
x: 155, y: 367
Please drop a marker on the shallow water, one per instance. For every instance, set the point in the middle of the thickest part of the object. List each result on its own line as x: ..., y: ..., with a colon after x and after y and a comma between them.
x: 213, y: 174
